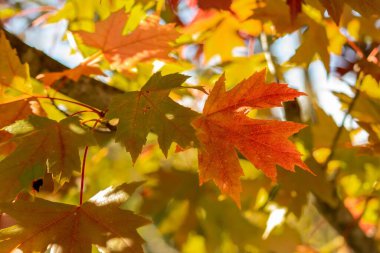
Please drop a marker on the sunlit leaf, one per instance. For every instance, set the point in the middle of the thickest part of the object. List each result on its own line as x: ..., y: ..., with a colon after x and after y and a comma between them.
x: 72, y: 228
x: 224, y: 126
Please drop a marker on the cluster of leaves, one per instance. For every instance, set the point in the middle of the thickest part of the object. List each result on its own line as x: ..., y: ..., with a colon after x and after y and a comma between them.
x: 57, y: 149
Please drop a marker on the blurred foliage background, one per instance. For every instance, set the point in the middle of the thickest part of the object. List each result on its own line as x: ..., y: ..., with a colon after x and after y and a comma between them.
x: 328, y: 49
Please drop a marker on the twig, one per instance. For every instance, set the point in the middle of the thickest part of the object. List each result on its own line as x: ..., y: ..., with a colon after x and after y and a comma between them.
x: 358, y: 51
x: 100, y: 113
x: 82, y: 175
x: 83, y: 170
x: 80, y: 112
x: 341, y: 128
x: 268, y: 56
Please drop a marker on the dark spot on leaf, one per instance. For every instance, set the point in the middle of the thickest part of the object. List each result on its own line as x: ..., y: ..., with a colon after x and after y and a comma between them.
x: 37, y: 184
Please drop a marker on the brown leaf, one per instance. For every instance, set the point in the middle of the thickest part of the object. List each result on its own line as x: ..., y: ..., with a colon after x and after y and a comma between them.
x: 334, y: 8
x: 52, y: 146
x: 72, y: 228
x: 295, y: 8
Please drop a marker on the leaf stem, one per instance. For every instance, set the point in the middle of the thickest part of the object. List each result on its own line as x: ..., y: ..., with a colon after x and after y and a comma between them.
x: 82, y: 175
x: 83, y: 170
x: 268, y: 56
x: 80, y: 112
x: 357, y: 49
x: 91, y: 120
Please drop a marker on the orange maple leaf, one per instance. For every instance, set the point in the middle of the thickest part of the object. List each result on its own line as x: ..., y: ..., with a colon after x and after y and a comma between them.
x: 6, y: 146
x: 18, y: 110
x: 148, y: 41
x: 224, y: 126
x: 83, y: 69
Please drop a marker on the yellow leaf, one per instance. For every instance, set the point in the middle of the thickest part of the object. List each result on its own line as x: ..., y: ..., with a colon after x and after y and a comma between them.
x: 14, y: 76
x: 314, y: 42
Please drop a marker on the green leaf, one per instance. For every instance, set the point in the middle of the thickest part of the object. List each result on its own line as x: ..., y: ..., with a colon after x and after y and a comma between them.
x: 151, y: 110
x: 52, y: 146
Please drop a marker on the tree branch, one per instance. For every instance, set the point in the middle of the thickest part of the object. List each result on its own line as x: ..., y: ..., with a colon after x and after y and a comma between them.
x: 340, y: 129
x: 345, y: 224
x: 87, y: 90
x: 339, y: 217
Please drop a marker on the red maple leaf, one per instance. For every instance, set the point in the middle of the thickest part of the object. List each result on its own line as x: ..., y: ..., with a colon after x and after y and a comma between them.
x: 224, y: 127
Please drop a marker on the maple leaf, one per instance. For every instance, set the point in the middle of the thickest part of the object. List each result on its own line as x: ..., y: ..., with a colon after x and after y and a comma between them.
x: 370, y: 68
x: 51, y: 145
x: 373, y: 145
x: 173, y: 4
x: 303, y: 184
x: 6, y: 146
x: 173, y: 197
x: 214, y: 27
x: 334, y: 8
x: 212, y: 4
x: 83, y: 69
x: 365, y: 109
x: 295, y: 8
x: 278, y: 14
x: 314, y: 37
x: 14, y: 76
x: 367, y: 114
x: 148, y: 41
x: 324, y: 129
x: 151, y: 109
x: 174, y: 186
x: 18, y: 110
x: 367, y: 8
x: 224, y: 126
x: 73, y: 228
